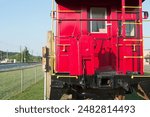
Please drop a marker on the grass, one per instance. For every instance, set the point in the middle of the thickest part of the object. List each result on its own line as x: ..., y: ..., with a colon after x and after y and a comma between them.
x: 34, y: 92
x: 10, y: 81
x: 147, y: 73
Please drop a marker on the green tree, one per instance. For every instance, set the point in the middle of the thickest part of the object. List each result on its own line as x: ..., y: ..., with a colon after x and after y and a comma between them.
x: 25, y: 55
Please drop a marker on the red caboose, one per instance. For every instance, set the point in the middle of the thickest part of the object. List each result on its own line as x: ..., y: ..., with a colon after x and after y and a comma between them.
x: 96, y: 48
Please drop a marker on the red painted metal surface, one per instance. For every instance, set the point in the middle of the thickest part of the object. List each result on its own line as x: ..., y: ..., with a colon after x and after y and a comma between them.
x: 80, y: 51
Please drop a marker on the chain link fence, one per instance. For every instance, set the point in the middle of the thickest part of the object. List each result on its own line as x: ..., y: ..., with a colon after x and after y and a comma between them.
x: 13, y: 82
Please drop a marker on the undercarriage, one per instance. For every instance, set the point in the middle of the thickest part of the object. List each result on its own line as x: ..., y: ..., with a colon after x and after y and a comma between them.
x: 98, y: 87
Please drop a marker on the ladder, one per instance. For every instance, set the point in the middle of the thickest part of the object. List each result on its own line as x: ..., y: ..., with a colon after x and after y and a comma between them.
x: 139, y: 36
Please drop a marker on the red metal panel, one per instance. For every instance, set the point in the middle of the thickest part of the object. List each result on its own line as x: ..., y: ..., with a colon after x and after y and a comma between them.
x: 87, y: 54
x: 80, y: 51
x: 75, y: 58
x: 141, y: 37
x: 66, y: 30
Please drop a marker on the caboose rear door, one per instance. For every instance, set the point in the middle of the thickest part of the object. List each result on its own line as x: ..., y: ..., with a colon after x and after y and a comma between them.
x: 100, y: 29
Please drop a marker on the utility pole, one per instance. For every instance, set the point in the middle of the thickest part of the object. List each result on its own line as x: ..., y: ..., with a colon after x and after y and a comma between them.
x: 7, y: 54
x: 20, y: 55
x: 149, y: 58
x: 32, y: 56
x: 32, y: 52
x: 1, y: 56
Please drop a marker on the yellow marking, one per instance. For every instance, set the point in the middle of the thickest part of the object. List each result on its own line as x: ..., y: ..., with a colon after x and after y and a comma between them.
x: 139, y: 76
x: 133, y: 57
x: 134, y: 48
x: 132, y: 7
x: 63, y: 76
x: 63, y: 44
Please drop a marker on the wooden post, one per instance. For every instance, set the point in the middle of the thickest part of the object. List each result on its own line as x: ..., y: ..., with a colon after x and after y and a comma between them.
x: 21, y: 80
x: 35, y: 74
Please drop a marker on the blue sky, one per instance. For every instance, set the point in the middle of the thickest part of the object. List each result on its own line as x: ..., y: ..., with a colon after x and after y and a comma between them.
x: 26, y: 22
x: 146, y: 26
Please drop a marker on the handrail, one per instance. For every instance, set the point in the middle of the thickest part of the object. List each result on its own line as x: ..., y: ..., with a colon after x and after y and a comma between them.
x: 132, y: 7
x: 96, y: 19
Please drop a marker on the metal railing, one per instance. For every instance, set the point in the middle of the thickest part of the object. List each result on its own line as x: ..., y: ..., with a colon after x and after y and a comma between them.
x: 16, y: 81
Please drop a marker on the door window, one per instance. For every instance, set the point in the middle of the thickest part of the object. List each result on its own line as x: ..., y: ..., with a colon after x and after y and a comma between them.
x: 130, y: 28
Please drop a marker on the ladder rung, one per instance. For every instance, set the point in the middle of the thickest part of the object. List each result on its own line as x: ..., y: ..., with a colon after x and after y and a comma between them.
x: 132, y: 7
x: 132, y: 40
x: 133, y: 57
x: 132, y: 23
x: 132, y: 44
x: 128, y: 11
x: 128, y: 44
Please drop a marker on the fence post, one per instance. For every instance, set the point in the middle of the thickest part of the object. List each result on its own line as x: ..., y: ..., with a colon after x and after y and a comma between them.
x: 21, y: 80
x: 35, y: 74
